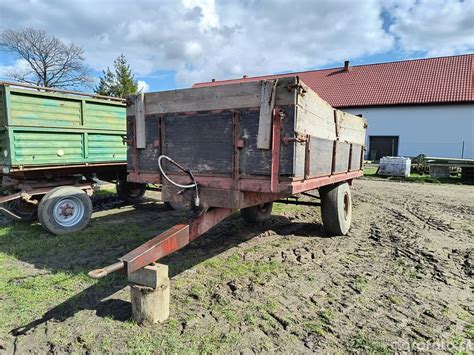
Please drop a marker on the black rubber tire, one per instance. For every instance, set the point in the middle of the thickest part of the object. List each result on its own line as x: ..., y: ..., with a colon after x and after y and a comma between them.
x: 336, y: 208
x: 257, y: 214
x: 26, y: 211
x: 130, y: 191
x: 54, y: 197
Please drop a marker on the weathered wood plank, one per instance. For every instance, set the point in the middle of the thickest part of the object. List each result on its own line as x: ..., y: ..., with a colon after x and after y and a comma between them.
x: 356, y: 156
x: 321, y: 156
x: 316, y: 117
x: 223, y: 97
x: 351, y: 128
x: 200, y: 142
x: 342, y: 157
x: 254, y: 161
x: 267, y: 102
x: 140, y: 120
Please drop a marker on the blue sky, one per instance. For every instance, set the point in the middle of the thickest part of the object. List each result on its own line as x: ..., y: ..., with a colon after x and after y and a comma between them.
x: 173, y: 44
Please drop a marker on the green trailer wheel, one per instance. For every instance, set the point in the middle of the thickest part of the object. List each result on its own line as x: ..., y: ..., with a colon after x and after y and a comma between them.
x: 65, y: 209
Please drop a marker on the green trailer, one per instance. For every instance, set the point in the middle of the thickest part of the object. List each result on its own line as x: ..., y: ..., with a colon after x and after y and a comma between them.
x: 55, y: 145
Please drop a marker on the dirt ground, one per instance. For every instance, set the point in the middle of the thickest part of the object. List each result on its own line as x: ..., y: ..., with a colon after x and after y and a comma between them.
x: 402, y: 280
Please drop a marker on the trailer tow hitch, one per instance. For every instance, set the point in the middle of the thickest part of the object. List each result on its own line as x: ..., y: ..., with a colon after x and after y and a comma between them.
x: 165, y: 243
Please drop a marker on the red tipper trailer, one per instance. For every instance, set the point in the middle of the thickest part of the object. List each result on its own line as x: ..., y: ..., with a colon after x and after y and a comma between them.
x: 240, y: 146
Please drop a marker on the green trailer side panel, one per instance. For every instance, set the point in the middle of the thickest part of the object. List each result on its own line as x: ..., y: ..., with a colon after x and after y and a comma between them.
x: 2, y: 107
x: 31, y: 110
x: 102, y: 116
x: 3, y: 145
x: 106, y: 147
x: 40, y: 128
x: 42, y: 148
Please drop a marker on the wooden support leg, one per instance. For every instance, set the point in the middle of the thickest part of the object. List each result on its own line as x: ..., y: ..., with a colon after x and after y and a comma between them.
x: 150, y: 294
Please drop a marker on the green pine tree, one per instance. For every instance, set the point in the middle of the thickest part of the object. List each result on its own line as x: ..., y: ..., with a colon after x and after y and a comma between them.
x: 120, y: 83
x: 106, y: 83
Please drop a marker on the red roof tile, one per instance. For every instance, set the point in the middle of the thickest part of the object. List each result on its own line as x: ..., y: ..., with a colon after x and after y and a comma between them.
x: 419, y: 81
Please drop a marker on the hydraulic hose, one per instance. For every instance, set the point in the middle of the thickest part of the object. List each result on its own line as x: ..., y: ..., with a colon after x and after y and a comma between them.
x: 189, y: 186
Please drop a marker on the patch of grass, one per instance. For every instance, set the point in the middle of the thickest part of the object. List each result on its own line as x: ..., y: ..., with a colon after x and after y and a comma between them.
x: 362, y: 342
x: 395, y: 299
x: 280, y: 208
x: 234, y: 267
x: 229, y: 314
x: 325, y: 316
x: 250, y: 318
x: 350, y: 259
x: 469, y: 329
x: 271, y: 305
x: 148, y: 341
x: 314, y: 327
x: 26, y: 297
x: 360, y: 282
x: 198, y: 291
x: 370, y: 172
x: 105, y: 190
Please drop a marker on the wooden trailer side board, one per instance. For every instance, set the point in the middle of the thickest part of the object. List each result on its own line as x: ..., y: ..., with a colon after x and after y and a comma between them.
x: 225, y: 97
x: 336, y: 138
x: 223, y: 133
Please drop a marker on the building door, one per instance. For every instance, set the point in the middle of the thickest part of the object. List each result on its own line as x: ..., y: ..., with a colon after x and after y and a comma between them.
x: 382, y: 146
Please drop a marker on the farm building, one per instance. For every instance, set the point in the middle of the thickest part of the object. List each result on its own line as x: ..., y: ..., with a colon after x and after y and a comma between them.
x: 421, y: 106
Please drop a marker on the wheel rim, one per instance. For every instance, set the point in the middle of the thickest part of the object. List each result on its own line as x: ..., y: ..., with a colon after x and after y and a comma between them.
x: 68, y: 211
x: 346, y: 205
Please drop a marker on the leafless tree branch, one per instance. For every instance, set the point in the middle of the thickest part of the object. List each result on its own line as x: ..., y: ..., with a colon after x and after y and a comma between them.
x: 51, y: 62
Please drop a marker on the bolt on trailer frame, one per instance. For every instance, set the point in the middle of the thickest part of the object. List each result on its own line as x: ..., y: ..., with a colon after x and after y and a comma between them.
x: 241, y: 146
x: 52, y: 139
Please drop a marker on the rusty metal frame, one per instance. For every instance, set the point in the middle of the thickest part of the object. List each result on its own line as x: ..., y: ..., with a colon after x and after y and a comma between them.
x: 236, y: 150
x: 275, y: 164
x: 27, y: 194
x: 165, y: 243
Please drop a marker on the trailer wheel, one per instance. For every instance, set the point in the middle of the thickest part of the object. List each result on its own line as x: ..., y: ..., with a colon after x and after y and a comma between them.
x: 26, y: 211
x: 65, y: 209
x: 130, y: 191
x: 336, y: 208
x: 257, y: 214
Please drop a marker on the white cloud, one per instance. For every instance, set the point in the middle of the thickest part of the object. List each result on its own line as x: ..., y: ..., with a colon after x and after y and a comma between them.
x: 204, y: 39
x: 437, y: 27
x: 143, y: 86
x: 20, y: 66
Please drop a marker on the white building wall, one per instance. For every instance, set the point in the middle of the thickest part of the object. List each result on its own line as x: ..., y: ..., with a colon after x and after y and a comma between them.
x: 433, y: 130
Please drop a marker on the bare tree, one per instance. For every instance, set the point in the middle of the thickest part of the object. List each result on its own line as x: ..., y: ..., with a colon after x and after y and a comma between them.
x: 51, y: 62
